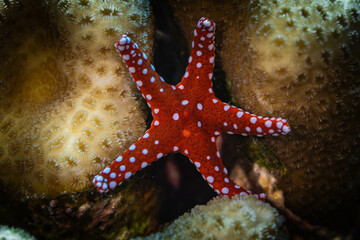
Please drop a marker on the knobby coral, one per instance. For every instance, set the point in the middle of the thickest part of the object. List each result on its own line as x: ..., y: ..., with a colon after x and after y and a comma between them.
x: 303, y: 61
x: 242, y: 217
x: 65, y: 101
x: 300, y: 60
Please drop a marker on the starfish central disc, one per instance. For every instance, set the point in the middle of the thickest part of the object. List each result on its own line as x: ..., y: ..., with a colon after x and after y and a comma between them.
x: 187, y: 117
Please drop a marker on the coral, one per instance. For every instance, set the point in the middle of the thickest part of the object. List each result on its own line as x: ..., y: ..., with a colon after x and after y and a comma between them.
x: 303, y: 62
x: 67, y: 105
x: 10, y: 233
x: 300, y: 60
x: 242, y: 217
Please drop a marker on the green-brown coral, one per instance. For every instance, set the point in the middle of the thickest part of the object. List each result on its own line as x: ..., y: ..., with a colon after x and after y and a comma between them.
x: 297, y: 60
x: 66, y: 100
x: 242, y: 217
x: 303, y: 64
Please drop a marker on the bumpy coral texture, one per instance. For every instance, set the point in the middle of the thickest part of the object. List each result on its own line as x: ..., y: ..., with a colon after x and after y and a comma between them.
x: 9, y: 233
x: 242, y: 217
x: 300, y: 60
x: 67, y: 105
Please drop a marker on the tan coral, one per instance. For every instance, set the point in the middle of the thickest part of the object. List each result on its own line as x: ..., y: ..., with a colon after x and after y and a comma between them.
x: 242, y: 217
x: 62, y: 88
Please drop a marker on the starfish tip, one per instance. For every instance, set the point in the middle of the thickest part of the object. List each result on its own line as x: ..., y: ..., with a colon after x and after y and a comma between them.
x: 206, y: 24
x: 286, y: 129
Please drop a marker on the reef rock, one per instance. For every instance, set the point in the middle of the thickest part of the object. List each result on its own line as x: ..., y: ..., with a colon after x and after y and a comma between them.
x: 68, y: 106
x: 298, y: 60
x: 242, y: 217
x: 129, y: 211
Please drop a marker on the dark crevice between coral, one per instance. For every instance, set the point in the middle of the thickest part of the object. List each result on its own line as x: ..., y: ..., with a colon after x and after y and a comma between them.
x: 11, y: 212
x: 170, y: 50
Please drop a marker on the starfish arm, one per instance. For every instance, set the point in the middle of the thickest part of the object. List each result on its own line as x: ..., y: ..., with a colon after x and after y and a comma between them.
x: 201, y: 61
x: 151, y: 85
x: 232, y: 120
x: 205, y: 156
x: 150, y: 147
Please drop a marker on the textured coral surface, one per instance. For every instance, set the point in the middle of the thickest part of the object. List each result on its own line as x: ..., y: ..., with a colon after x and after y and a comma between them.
x: 68, y: 106
x: 298, y: 60
x: 303, y: 63
x: 9, y: 233
x: 242, y: 217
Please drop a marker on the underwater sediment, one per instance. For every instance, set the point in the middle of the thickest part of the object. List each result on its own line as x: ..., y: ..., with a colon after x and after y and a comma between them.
x: 300, y: 61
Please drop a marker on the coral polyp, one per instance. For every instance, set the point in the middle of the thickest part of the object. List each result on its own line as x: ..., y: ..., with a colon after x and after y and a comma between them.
x: 61, y: 90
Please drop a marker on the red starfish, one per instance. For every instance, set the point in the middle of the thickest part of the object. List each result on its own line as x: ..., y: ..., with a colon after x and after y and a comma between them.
x: 187, y: 117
